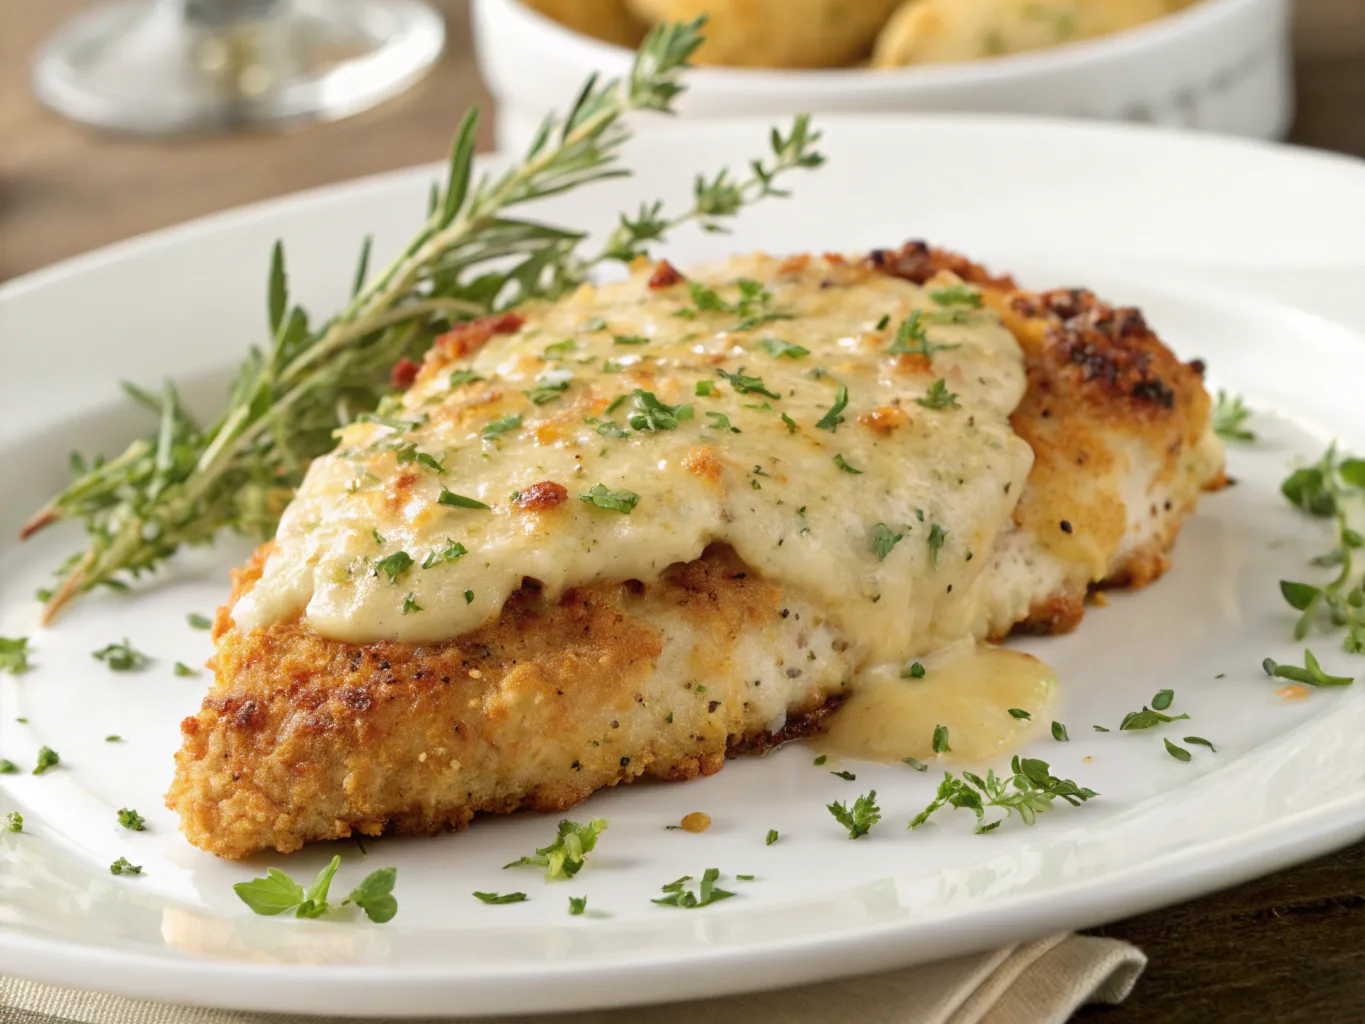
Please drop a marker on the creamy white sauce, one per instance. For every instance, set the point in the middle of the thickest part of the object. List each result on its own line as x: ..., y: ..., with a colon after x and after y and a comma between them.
x: 779, y: 498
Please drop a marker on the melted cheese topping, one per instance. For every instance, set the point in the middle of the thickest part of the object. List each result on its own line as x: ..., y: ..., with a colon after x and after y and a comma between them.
x: 882, y: 513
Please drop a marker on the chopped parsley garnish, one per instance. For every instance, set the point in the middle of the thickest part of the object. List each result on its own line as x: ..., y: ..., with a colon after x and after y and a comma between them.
x: 820, y: 759
x: 123, y: 866
x: 14, y: 654
x: 577, y: 904
x: 1035, y: 789
x: 451, y: 552
x: 778, y: 348
x: 790, y: 423
x: 1199, y: 740
x: 616, y: 501
x: 745, y: 384
x: 461, y: 377
x: 1312, y: 673
x: 564, y: 857
x: 549, y: 386
x: 938, y: 397
x: 940, y: 742
x: 861, y: 817
x: 914, y: 670
x: 1177, y: 752
x: 772, y: 837
x: 378, y: 537
x: 493, y: 897
x: 47, y: 758
x: 938, y: 536
x: 744, y: 878
x: 630, y: 339
x: 469, y: 597
x: 707, y: 893
x: 957, y: 295
x: 8, y: 767
x: 610, y: 428
x: 1229, y: 418
x: 612, y: 366
x: 843, y: 464
x: 705, y: 388
x: 883, y: 540
x: 121, y: 657
x: 1326, y: 489
x: 115, y: 738
x: 409, y: 454
x: 846, y: 776
x: 198, y: 621
x: 915, y: 763
x: 719, y: 421
x: 751, y: 307
x: 597, y: 323
x: 834, y: 415
x: 652, y: 414
x: 912, y: 339
x: 14, y: 822
x: 559, y: 349
x: 881, y: 324
x: 181, y: 669
x: 410, y: 604
x: 395, y: 565
x: 1020, y: 714
x: 1059, y: 733
x: 1162, y: 700
x: 494, y: 430
x: 131, y: 820
x: 453, y: 500
x: 277, y: 893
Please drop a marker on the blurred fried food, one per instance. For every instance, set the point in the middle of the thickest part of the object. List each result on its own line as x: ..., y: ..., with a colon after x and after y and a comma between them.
x: 609, y: 20
x: 940, y: 31
x: 778, y: 33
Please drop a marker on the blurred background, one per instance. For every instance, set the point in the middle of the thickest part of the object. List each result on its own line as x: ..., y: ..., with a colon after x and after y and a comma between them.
x: 66, y: 188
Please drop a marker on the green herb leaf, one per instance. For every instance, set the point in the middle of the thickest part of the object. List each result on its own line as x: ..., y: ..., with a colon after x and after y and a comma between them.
x: 47, y: 758
x: 495, y: 898
x: 452, y: 500
x: 777, y: 348
x: 616, y: 501
x: 719, y: 421
x: 181, y: 669
x: 314, y: 904
x: 198, y: 621
x: 843, y: 464
x: 915, y: 763
x: 938, y: 397
x: 772, y: 837
x: 820, y: 759
x: 1020, y: 713
x: 577, y: 904
x: 1146, y: 718
x: 705, y: 388
x: 395, y: 565
x: 834, y: 416
x: 883, y: 540
x: 860, y: 818
x: 565, y: 857
x: 957, y: 295
x: 1163, y: 699
x: 911, y: 339
x: 1059, y: 733
x: 14, y: 654
x: 630, y: 339
x: 459, y: 378
x: 271, y: 895
x: 497, y: 428
x: 1179, y: 753
x: 121, y: 657
x: 747, y: 385
x: 453, y: 551
x: 131, y: 820
x: 940, y: 744
x: 1311, y: 674
x: 14, y: 822
x: 123, y: 866
x: 1229, y: 418
x: 374, y: 895
x: 846, y: 776
x: 914, y: 670
x: 653, y: 415
x: 1201, y: 742
x: 410, y: 604
x: 938, y: 536
x: 1028, y: 790
x: 685, y: 899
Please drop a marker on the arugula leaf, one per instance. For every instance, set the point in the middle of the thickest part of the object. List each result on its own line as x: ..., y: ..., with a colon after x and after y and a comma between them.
x: 565, y: 857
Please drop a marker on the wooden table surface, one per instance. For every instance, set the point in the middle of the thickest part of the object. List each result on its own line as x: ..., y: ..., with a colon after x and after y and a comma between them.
x: 1287, y: 948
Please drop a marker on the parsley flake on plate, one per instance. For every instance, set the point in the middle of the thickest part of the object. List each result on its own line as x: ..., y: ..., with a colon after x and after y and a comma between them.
x: 685, y: 899
x: 47, y: 758
x: 860, y: 818
x: 14, y: 654
x: 565, y: 857
x: 123, y: 866
x: 131, y: 820
x: 496, y: 898
x: 121, y: 657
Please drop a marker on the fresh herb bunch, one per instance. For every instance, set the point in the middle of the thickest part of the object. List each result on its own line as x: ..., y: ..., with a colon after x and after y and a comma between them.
x: 471, y: 257
x: 1035, y: 789
x: 1229, y: 418
x: 1329, y: 489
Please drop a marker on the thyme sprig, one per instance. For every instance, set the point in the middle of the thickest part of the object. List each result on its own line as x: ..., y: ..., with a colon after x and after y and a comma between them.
x: 472, y: 256
x: 1035, y: 789
x: 1329, y: 489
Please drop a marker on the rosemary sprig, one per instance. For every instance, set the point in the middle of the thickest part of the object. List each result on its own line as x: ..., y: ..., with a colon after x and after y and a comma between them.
x: 1329, y: 489
x: 469, y: 258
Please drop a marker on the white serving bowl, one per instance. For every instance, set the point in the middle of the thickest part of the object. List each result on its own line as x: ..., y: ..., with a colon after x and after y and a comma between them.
x: 1221, y: 66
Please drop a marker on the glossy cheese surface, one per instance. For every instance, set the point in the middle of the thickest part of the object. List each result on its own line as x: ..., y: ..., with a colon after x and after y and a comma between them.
x: 846, y: 432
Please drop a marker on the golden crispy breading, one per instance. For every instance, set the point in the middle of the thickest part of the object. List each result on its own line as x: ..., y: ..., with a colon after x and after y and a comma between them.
x: 612, y: 21
x: 304, y: 738
x: 940, y: 31
x: 778, y: 33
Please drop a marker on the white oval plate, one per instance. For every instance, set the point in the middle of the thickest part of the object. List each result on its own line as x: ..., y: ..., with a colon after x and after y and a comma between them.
x: 1164, y: 221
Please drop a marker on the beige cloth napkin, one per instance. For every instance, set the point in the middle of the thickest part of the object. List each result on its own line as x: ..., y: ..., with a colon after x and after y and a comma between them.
x: 1041, y: 982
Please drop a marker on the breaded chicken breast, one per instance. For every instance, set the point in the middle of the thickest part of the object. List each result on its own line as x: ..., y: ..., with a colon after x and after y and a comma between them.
x: 674, y: 519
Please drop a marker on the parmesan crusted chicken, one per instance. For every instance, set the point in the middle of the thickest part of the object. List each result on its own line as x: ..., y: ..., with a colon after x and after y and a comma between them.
x: 670, y: 520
